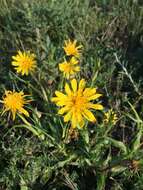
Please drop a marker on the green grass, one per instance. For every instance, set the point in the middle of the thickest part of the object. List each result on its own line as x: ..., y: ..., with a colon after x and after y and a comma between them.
x: 45, y: 156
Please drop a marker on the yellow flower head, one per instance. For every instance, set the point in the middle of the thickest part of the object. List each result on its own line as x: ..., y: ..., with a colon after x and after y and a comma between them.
x: 24, y: 62
x: 110, y: 116
x: 14, y: 102
x: 71, y: 49
x: 76, y: 103
x: 69, y: 68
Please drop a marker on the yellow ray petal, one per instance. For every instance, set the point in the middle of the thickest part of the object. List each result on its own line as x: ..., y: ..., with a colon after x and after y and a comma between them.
x: 81, y: 86
x: 61, y: 103
x: 60, y: 94
x: 20, y: 53
x: 74, y: 61
x: 89, y: 92
x: 15, y: 63
x: 94, y: 96
x: 74, y: 42
x: 63, y: 110
x: 95, y: 106
x: 13, y: 114
x: 74, y: 121
x: 79, y: 47
x: 82, y: 123
x: 67, y: 89
x: 77, y: 68
x: 79, y: 117
x: 89, y: 115
x: 74, y: 85
x: 62, y: 66
x: 22, y: 110
x: 67, y: 117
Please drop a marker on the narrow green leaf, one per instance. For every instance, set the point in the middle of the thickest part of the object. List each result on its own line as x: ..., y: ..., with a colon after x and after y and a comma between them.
x: 118, y: 144
x: 137, y: 141
x: 101, y: 181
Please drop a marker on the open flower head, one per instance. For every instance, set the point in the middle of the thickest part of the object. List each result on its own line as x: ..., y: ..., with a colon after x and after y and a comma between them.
x: 71, y: 48
x: 76, y: 103
x: 14, y: 102
x: 24, y: 62
x: 69, y: 68
x: 110, y: 117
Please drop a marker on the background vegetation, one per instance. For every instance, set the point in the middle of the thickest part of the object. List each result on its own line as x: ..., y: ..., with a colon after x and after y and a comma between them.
x: 100, y: 157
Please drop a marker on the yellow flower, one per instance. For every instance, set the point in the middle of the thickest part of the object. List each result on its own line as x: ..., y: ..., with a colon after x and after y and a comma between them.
x: 69, y: 68
x: 110, y: 116
x: 76, y: 103
x: 24, y: 62
x: 71, y: 49
x: 14, y: 102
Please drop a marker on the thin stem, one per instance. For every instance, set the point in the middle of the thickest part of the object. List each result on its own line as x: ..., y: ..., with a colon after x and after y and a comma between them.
x: 127, y: 74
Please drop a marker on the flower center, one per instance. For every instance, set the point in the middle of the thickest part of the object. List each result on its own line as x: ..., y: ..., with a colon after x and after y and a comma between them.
x: 14, y: 101
x: 69, y: 67
x: 72, y: 50
x: 26, y: 63
x: 78, y: 102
